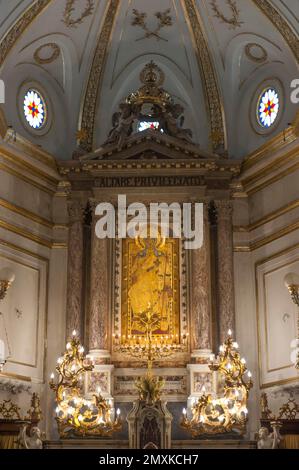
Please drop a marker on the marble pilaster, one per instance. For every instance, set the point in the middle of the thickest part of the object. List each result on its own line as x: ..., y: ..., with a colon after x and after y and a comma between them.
x: 225, y: 274
x: 200, y: 295
x: 75, y: 275
x: 99, y: 299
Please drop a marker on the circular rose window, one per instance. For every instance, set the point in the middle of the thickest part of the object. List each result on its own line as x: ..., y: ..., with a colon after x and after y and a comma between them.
x: 268, y: 108
x: 35, y: 109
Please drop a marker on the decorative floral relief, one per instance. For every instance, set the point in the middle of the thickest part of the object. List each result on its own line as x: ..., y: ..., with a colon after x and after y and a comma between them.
x: 233, y: 21
x: 174, y: 385
x: 72, y: 22
x: 202, y: 379
x: 98, y: 380
x: 14, y: 386
x: 164, y: 19
x: 54, y: 53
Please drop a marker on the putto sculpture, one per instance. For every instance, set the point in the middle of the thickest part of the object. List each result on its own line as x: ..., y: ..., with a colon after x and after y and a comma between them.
x: 150, y: 107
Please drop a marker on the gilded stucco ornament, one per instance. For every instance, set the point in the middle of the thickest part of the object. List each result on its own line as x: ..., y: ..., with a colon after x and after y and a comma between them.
x: 164, y: 19
x: 233, y: 21
x: 281, y: 24
x: 256, y: 52
x: 212, y: 90
x: 69, y: 20
x: 19, y: 27
x: 54, y: 53
x: 96, y: 73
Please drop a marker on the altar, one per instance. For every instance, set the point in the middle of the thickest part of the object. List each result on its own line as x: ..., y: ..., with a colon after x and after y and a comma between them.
x: 111, y: 280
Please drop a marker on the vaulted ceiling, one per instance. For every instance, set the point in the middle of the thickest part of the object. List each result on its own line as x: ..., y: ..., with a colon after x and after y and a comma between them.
x: 86, y: 57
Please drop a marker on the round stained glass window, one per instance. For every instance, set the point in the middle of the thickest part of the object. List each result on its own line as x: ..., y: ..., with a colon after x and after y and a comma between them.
x: 35, y: 110
x: 143, y: 125
x: 268, y: 107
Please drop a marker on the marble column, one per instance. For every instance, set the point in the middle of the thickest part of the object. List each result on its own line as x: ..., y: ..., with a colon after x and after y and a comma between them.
x: 99, y: 296
x: 225, y: 275
x: 74, y: 319
x: 200, y: 295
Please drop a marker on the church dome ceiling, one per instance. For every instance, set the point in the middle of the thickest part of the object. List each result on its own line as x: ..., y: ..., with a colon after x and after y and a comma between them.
x: 84, y: 57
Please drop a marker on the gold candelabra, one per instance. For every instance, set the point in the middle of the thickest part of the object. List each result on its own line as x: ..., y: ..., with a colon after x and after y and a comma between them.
x: 149, y: 348
x: 229, y: 412
x: 75, y: 414
x: 7, y: 277
x: 292, y: 283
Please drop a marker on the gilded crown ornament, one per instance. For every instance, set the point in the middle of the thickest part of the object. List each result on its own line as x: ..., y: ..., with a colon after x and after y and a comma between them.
x: 152, y: 78
x: 75, y: 414
x: 228, y: 413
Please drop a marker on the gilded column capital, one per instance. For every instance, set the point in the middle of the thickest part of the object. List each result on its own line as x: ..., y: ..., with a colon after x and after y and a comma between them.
x: 224, y: 208
x: 76, y: 210
x: 64, y: 189
x: 94, y: 202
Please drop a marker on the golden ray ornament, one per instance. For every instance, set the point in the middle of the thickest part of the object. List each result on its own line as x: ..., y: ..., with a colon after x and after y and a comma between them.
x: 150, y: 348
x: 75, y: 414
x: 228, y: 413
x: 147, y: 346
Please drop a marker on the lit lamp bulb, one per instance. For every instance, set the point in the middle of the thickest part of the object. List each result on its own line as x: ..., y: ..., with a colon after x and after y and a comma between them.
x: 203, y: 389
x: 99, y: 390
x: 7, y: 274
x: 291, y: 279
x: 118, y: 412
x: 184, y: 412
x: 74, y: 333
x: 243, y: 360
x: 229, y: 332
x: 52, y: 376
x: 249, y: 374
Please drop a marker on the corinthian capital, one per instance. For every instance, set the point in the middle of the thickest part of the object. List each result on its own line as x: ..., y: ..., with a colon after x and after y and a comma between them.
x: 76, y: 210
x: 224, y: 209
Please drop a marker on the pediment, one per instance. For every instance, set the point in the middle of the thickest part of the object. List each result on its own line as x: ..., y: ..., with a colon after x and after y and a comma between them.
x: 150, y: 145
